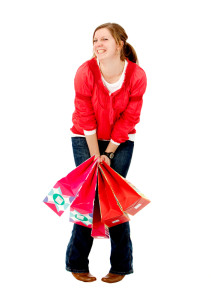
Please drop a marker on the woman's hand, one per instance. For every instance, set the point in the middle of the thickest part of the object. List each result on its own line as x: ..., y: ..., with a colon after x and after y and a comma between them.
x: 105, y: 159
x: 97, y: 156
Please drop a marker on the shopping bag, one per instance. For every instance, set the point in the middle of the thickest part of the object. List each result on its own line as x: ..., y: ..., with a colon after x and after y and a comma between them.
x: 84, y: 199
x: 111, y: 212
x: 65, y: 190
x: 127, y: 196
x: 97, y: 196
x: 81, y: 208
x: 140, y: 204
x: 99, y: 229
x: 81, y: 219
x: 57, y: 200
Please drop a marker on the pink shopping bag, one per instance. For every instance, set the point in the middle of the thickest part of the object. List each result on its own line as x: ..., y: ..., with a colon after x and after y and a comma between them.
x: 84, y: 199
x: 65, y: 190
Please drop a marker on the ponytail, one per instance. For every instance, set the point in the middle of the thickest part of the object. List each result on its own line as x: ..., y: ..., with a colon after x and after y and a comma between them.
x: 129, y: 52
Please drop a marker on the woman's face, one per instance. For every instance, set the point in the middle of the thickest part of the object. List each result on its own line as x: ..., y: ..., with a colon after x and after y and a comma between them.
x: 104, y: 45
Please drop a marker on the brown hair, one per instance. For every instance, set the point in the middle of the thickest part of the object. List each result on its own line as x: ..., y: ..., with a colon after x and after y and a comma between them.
x: 119, y: 34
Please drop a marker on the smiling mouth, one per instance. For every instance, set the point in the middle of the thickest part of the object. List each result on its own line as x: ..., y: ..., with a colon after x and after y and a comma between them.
x: 100, y: 51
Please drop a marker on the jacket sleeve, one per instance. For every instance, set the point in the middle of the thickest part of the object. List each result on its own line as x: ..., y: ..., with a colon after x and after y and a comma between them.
x: 83, y: 84
x: 131, y: 115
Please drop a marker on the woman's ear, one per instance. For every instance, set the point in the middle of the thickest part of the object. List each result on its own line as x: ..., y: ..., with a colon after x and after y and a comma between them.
x: 120, y: 45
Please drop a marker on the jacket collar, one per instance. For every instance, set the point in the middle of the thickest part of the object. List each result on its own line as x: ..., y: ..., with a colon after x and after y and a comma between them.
x: 97, y: 74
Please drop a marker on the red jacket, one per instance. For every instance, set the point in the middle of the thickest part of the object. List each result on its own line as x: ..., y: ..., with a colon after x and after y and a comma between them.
x: 114, y: 116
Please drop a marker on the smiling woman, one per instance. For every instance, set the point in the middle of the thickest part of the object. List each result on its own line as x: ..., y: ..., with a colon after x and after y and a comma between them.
x: 117, y: 33
x: 105, y: 46
x: 106, y: 49
x: 109, y: 91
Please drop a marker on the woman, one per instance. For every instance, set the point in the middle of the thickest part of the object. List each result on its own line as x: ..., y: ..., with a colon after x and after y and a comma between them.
x: 108, y: 101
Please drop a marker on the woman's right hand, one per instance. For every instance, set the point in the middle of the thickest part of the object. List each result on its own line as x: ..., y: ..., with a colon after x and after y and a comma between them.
x: 97, y: 156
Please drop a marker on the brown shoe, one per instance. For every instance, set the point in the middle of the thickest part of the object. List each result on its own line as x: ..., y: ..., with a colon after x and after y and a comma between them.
x: 111, y: 278
x: 86, y: 277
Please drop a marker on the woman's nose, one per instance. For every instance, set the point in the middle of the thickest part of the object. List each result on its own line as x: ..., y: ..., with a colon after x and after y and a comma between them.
x: 99, y: 43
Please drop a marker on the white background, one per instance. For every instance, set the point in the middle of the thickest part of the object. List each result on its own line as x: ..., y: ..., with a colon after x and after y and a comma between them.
x: 42, y: 45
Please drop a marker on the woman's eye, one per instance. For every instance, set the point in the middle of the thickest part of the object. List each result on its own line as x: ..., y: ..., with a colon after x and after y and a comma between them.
x: 104, y: 39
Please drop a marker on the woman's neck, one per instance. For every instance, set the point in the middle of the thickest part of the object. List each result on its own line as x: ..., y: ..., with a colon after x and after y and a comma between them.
x: 112, y: 69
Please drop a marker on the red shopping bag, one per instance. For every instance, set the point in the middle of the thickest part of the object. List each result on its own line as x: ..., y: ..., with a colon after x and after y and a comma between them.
x: 111, y: 212
x: 130, y: 199
x: 75, y: 179
x: 84, y: 200
x: 99, y: 229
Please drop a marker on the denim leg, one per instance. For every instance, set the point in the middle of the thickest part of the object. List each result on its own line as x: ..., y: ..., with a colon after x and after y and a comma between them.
x: 81, y: 240
x: 122, y: 158
x: 121, y: 258
x: 78, y: 249
x: 80, y: 150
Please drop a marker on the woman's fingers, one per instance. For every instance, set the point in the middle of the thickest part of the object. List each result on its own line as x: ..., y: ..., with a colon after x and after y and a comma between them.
x: 102, y: 158
x: 97, y: 156
x: 105, y: 159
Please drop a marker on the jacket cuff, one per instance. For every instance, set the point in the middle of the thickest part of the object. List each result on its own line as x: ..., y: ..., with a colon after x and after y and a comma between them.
x: 115, y: 142
x: 89, y: 132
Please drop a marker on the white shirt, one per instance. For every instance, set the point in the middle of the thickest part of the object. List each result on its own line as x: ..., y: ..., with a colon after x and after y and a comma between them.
x: 113, y: 87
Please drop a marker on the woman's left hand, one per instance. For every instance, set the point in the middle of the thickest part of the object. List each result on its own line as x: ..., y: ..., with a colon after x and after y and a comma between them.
x: 105, y: 159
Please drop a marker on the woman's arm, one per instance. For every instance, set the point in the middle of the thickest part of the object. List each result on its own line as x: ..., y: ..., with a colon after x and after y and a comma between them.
x: 131, y: 115
x: 111, y: 147
x: 92, y: 143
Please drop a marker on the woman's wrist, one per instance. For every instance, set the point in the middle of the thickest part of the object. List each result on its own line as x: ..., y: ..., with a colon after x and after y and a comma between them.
x: 110, y: 155
x: 111, y: 147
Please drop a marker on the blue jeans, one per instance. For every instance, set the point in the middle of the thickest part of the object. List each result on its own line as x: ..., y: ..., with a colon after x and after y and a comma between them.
x: 81, y: 241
